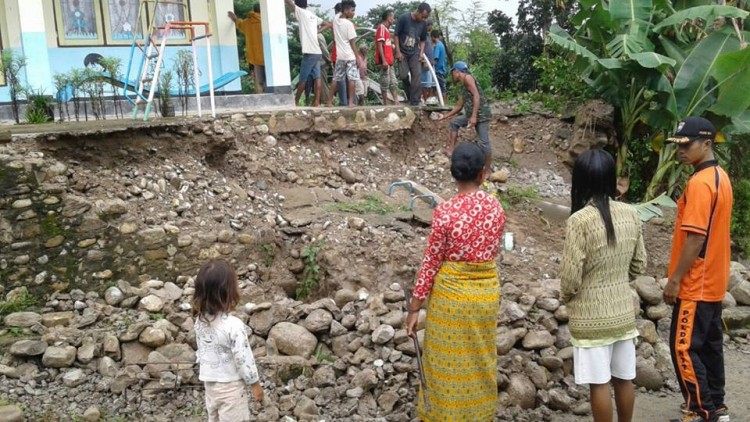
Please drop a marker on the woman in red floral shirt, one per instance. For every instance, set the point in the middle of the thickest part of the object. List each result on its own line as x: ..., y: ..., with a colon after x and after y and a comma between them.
x: 458, y: 274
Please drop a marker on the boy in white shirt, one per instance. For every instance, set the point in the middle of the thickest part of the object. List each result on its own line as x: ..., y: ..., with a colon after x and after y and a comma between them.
x: 309, y: 25
x: 346, y: 51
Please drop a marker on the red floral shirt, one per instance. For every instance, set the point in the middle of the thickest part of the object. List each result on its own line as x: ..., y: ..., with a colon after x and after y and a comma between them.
x: 467, y: 228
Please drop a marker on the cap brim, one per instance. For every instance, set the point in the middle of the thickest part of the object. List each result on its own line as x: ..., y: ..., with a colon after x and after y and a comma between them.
x: 679, y: 140
x: 687, y: 139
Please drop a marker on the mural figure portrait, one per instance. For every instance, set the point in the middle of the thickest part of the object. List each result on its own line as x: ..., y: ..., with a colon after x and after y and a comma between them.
x: 79, y: 20
x: 168, y: 13
x: 123, y: 19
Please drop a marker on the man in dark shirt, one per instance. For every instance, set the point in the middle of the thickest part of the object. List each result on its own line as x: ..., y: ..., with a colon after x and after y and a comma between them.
x: 411, y: 34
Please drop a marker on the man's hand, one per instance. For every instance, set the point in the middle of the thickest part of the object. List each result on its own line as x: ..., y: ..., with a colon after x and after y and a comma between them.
x: 384, y: 67
x: 232, y: 16
x: 671, y: 291
x: 257, y: 392
x: 399, y: 56
x: 473, y: 121
x: 411, y: 324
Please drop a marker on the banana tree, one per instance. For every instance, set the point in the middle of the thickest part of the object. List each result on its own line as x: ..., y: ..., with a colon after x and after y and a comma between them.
x: 614, y: 46
x: 712, y: 77
x: 659, y: 61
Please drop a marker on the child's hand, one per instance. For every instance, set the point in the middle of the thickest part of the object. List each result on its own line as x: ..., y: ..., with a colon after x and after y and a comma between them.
x: 257, y: 392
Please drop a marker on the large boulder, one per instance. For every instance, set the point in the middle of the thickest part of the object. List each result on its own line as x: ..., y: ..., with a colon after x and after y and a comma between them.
x: 22, y: 319
x: 522, y: 391
x: 59, y: 356
x: 318, y: 321
x: 28, y: 348
x: 293, y: 340
x: 647, y: 376
x: 648, y: 289
x: 741, y: 292
x: 738, y: 317
x: 11, y: 413
x: 535, y: 340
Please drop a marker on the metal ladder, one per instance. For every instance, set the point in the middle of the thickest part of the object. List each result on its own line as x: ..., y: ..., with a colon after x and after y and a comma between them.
x: 152, y: 60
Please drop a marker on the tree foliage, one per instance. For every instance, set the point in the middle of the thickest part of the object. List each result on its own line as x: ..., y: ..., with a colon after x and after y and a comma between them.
x: 523, y: 42
x: 656, y: 63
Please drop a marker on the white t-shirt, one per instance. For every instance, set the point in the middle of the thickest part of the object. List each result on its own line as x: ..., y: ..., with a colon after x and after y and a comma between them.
x: 224, y: 354
x: 343, y: 32
x: 308, y: 30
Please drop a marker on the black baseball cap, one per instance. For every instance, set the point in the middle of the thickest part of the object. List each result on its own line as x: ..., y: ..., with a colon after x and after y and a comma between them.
x: 693, y: 129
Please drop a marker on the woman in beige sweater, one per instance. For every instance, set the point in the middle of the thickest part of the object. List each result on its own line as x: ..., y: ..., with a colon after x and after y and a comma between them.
x: 603, y: 251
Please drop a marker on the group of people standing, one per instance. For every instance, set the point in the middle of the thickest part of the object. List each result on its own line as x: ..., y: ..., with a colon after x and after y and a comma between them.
x: 604, y: 250
x: 413, y: 44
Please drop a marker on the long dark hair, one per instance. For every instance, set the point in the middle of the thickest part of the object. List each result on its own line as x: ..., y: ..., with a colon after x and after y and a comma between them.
x: 594, y: 180
x: 216, y: 290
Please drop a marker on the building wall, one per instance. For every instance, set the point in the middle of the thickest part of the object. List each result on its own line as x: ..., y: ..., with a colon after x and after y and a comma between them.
x: 33, y: 28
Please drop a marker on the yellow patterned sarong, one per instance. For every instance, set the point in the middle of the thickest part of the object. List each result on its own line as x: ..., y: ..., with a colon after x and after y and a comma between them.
x: 460, y: 355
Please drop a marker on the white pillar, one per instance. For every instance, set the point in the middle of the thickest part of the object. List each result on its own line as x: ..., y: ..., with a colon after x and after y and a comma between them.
x: 275, y: 47
x: 34, y: 44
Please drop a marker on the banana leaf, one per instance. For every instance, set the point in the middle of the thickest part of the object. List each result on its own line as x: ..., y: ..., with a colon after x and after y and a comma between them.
x: 650, y: 209
x: 559, y: 36
x: 665, y: 113
x: 673, y: 50
x: 623, y: 45
x: 707, y: 14
x: 690, y: 84
x: 687, y: 4
x: 741, y: 123
x: 732, y: 74
x: 651, y: 60
x: 635, y: 12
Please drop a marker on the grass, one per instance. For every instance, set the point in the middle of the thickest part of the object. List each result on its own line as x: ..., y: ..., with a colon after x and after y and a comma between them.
x: 158, y: 316
x: 322, y: 357
x: 21, y: 303
x: 369, y: 204
x: 269, y: 252
x: 515, y: 195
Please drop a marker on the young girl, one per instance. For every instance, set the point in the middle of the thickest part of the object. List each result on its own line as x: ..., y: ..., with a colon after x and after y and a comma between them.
x: 224, y: 355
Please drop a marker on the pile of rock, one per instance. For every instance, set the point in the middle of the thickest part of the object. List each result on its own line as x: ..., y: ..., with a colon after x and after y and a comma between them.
x: 346, y: 357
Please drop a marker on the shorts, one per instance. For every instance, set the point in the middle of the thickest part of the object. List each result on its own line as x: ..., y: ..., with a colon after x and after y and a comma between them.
x: 227, y: 401
x: 345, y: 69
x: 360, y: 87
x: 310, y: 67
x: 427, y: 81
x: 388, y: 81
x: 597, y: 365
x: 483, y: 131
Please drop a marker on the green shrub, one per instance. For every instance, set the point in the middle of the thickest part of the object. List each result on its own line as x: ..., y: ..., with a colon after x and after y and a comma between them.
x: 20, y: 303
x: 558, y: 77
x: 39, y: 107
x: 311, y: 273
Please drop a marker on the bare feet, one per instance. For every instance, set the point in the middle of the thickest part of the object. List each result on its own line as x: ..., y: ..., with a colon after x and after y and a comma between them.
x: 448, y: 151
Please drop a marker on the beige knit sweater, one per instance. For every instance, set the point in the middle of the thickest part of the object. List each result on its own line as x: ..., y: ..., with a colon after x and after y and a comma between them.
x: 595, y: 277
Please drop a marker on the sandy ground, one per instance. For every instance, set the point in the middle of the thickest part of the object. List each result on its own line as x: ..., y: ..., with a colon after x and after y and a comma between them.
x: 663, y: 406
